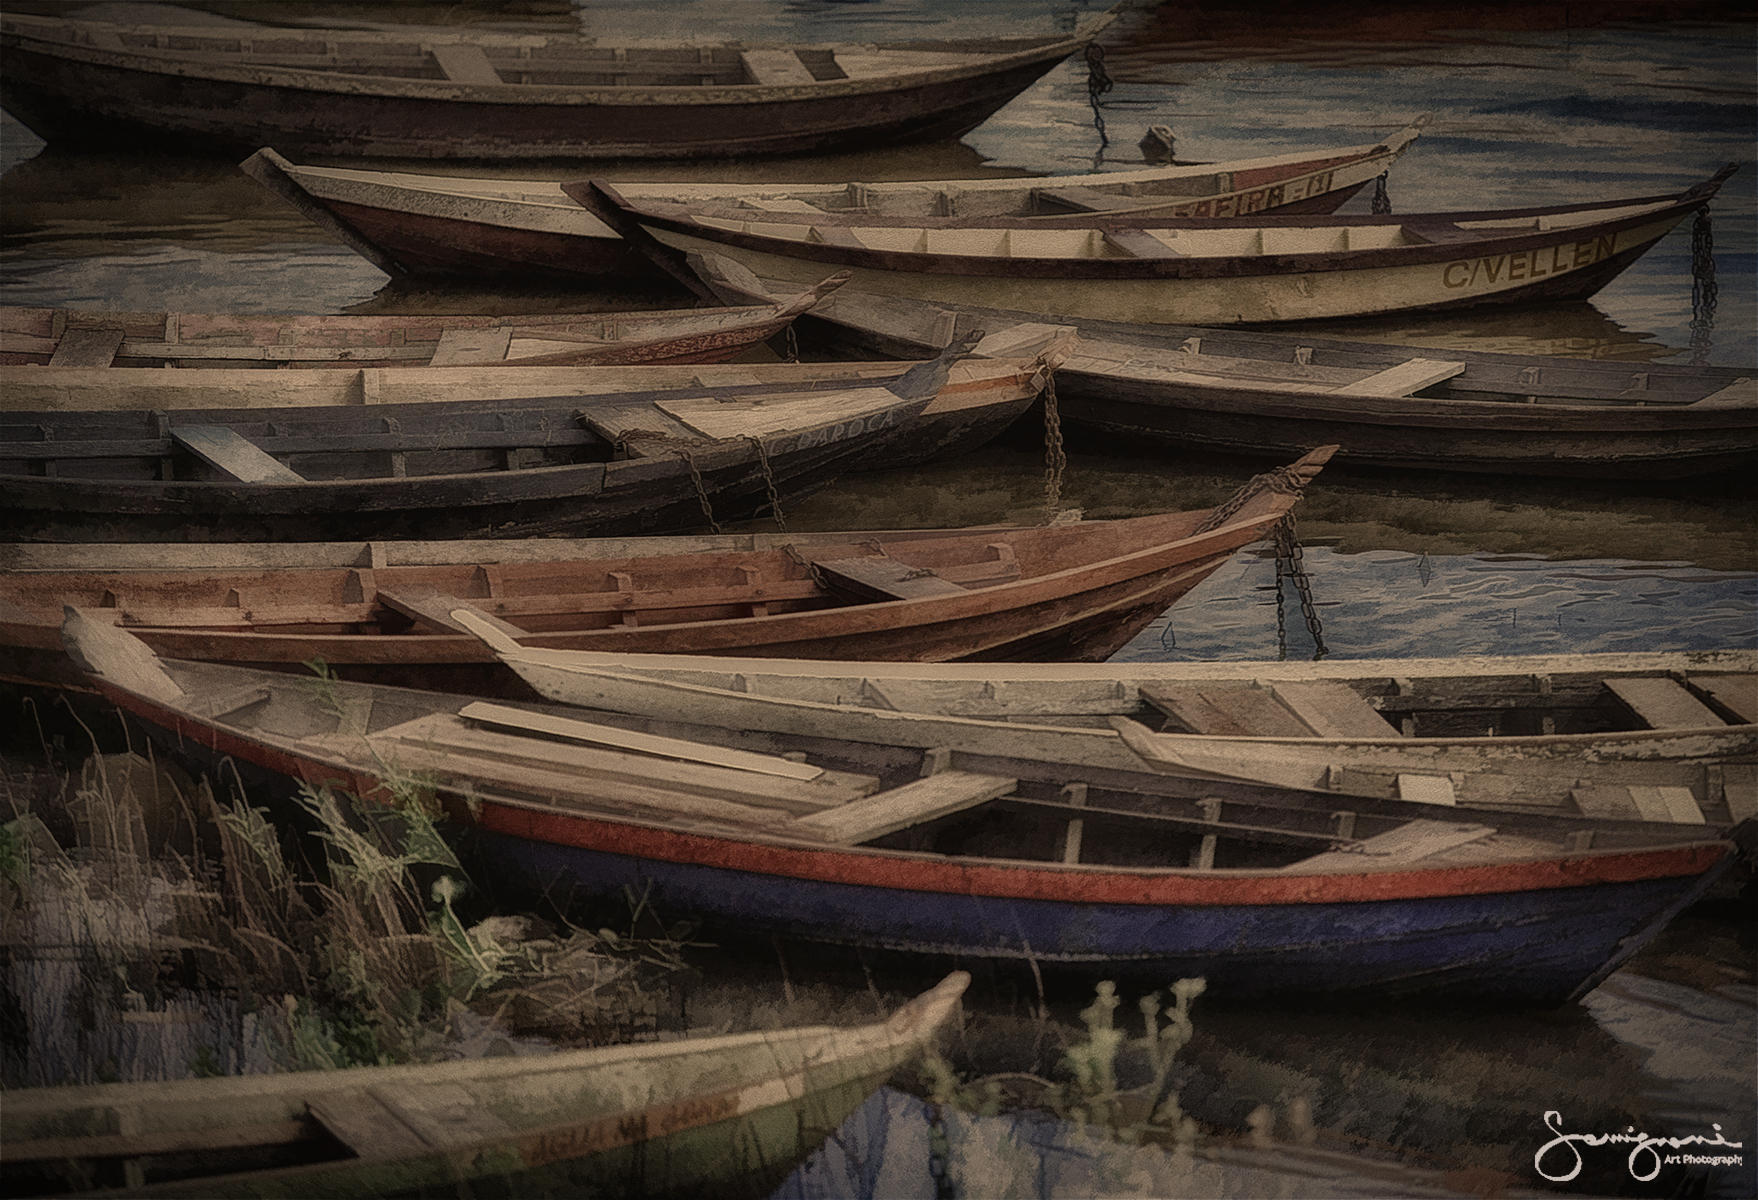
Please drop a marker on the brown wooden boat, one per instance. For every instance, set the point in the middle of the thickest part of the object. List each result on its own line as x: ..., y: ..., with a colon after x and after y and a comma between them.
x: 1066, y: 591
x: 408, y: 224
x: 1262, y: 394
x: 429, y: 94
x: 1239, y: 270
x: 724, y: 1115
x: 74, y: 338
x: 620, y: 463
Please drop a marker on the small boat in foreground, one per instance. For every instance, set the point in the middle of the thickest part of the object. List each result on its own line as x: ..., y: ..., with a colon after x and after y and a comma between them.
x: 723, y: 1115
x: 425, y: 93
x: 607, y: 464
x: 408, y: 224
x: 1249, y: 392
x: 1079, y: 590
x: 71, y: 338
x: 1214, y: 271
x: 1628, y: 738
x: 945, y: 854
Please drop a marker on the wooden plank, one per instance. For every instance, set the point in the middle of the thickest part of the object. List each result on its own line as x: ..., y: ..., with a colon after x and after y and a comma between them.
x: 471, y: 347
x: 230, y: 453
x: 464, y: 62
x: 776, y: 68
x: 1426, y: 789
x: 1739, y: 782
x: 363, y: 1123
x: 938, y: 795
x: 1606, y: 803
x: 434, y: 610
x: 883, y: 578
x: 218, y: 1136
x: 1738, y: 393
x: 503, y: 717
x: 224, y: 704
x: 1083, y: 199
x: 784, y: 204
x: 1333, y: 710
x: 447, y: 731
x: 1409, y: 843
x: 1403, y: 379
x: 1662, y: 703
x: 1237, y: 711
x: 1736, y: 693
x: 836, y: 235
x: 87, y: 348
x: 1674, y: 805
x: 1441, y: 231
x: 1139, y: 243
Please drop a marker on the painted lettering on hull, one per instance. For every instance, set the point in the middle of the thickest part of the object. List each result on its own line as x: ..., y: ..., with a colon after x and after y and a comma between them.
x: 1523, y: 266
x: 854, y: 427
x: 1243, y: 204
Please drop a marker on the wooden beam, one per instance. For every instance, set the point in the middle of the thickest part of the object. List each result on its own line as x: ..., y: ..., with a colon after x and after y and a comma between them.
x: 434, y: 610
x: 87, y: 348
x: 1662, y: 703
x: 916, y: 803
x: 1332, y: 710
x: 877, y: 577
x: 1139, y: 243
x: 364, y: 1124
x: 1403, y: 379
x: 1736, y: 693
x: 504, y: 717
x: 1410, y: 842
x: 776, y: 68
x: 1081, y: 199
x: 472, y: 347
x: 464, y: 62
x: 232, y: 454
x: 1224, y: 710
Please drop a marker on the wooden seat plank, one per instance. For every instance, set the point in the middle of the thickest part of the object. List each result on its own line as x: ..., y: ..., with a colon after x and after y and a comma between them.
x: 938, y: 795
x: 785, y: 204
x: 1139, y: 243
x: 1674, y: 805
x: 87, y: 348
x: 883, y: 578
x: 1607, y: 803
x: 1736, y: 693
x: 232, y: 454
x: 464, y: 62
x: 1409, y: 843
x: 1237, y: 711
x: 1402, y: 380
x: 448, y: 732
x: 1739, y: 393
x: 505, y: 717
x: 472, y: 347
x: 434, y: 610
x: 1083, y: 199
x: 776, y: 68
x: 363, y: 1123
x: 1662, y: 703
x: 1333, y: 710
x: 838, y: 235
x: 1739, y: 783
x: 1426, y: 789
x: 225, y: 703
x: 1440, y: 231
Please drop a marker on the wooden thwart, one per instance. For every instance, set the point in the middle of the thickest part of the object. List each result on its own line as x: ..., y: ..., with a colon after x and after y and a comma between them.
x: 1230, y: 711
x: 1333, y: 710
x: 367, y: 1125
x: 1084, y: 199
x: 87, y: 348
x: 1663, y: 703
x: 434, y: 610
x: 1615, y: 802
x: 471, y: 347
x: 938, y: 795
x: 464, y: 62
x: 232, y: 454
x: 884, y: 578
x: 776, y: 68
x: 1403, y: 379
x: 1139, y: 243
x: 1736, y: 693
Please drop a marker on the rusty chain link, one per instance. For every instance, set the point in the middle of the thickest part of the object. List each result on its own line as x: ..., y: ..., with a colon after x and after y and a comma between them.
x: 768, y: 482
x: 1290, y: 561
x: 701, y: 490
x: 1055, y: 457
x: 1382, y: 202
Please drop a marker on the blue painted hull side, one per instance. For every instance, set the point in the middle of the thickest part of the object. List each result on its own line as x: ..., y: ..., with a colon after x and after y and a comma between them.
x: 1541, y: 946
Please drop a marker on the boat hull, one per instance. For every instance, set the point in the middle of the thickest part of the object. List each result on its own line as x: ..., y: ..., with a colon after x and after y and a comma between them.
x: 1545, y: 947
x: 92, y: 101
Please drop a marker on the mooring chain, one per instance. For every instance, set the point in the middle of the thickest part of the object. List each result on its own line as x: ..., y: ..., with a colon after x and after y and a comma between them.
x: 805, y: 564
x: 1098, y: 83
x: 1288, y: 547
x: 940, y: 1155
x: 701, y: 490
x: 768, y: 481
x: 1703, y: 287
x: 1280, y: 480
x: 1055, y: 457
x: 1382, y: 203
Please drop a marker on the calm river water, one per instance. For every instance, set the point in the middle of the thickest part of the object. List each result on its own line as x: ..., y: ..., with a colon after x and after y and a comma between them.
x: 1529, y: 106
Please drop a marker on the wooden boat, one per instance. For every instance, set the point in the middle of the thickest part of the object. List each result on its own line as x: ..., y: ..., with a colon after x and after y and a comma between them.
x: 428, y: 94
x: 408, y: 224
x: 614, y: 464
x: 1067, y: 591
x: 1661, y: 737
x: 1246, y: 392
x: 72, y: 338
x: 728, y: 1115
x: 1210, y: 271
x: 938, y: 854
